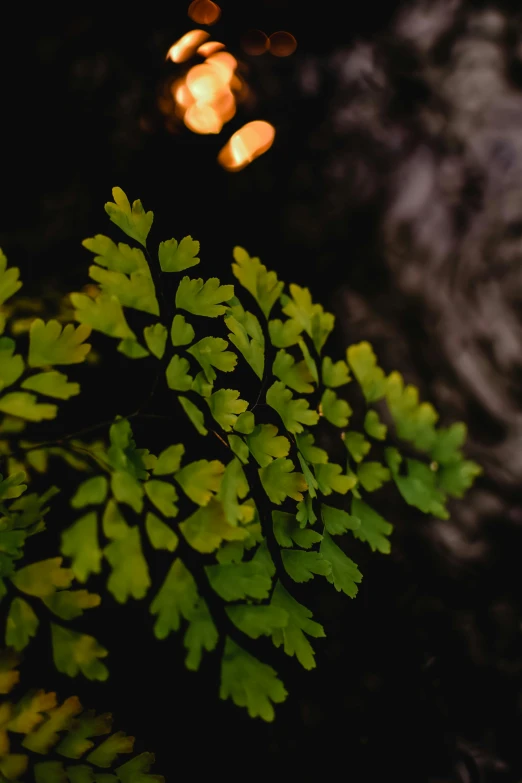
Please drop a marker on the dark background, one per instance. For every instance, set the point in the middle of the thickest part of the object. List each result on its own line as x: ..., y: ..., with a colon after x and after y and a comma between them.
x: 419, y: 678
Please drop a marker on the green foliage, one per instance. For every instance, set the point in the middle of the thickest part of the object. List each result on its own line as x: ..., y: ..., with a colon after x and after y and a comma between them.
x: 238, y: 512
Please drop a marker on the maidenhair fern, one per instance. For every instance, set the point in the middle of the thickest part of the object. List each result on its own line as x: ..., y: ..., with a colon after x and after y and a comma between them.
x: 279, y: 484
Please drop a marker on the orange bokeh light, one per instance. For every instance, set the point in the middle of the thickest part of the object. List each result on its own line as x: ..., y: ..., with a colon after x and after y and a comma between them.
x: 248, y: 143
x: 187, y: 46
x: 224, y: 64
x: 210, y: 47
x: 204, y: 82
x: 204, y: 12
x: 282, y: 44
x: 202, y: 118
x: 254, y: 42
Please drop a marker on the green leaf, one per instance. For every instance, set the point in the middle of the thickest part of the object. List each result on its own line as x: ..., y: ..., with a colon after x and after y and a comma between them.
x: 9, y: 283
x: 130, y: 573
x: 69, y: 604
x: 419, y: 487
x: 91, y: 492
x: 76, y: 743
x: 309, y: 360
x: 302, y: 566
x: 136, y: 291
x: 49, y: 343
x: 159, y: 533
x: 22, y: 624
x: 126, y: 489
x: 457, y: 477
x: 239, y: 447
x: 177, y: 375
x: 194, y: 413
x: 414, y: 421
x: 294, y: 413
x: 75, y: 652
x: 357, y: 445
x: 250, y: 683
x: 225, y: 406
x: 337, y: 411
x: 11, y: 367
x: 234, y: 487
x: 181, y: 332
x: 200, y: 479
x: 123, y: 454
x: 334, y: 375
x: 59, y: 718
x: 330, y: 478
x: 132, y: 349
x: 309, y: 476
x: 208, y: 527
x: 203, y: 297
x: 201, y: 386
x: 176, y: 258
x: 25, y: 406
x: 315, y: 321
x: 163, y: 495
x: 372, y: 475
x: 245, y: 423
x: 280, y: 481
x: 13, y: 486
x: 134, y: 222
x: 156, y: 339
x: 265, y: 444
x: 211, y: 352
x: 117, y: 258
x: 374, y: 529
x: 80, y: 543
x: 337, y: 521
x: 176, y: 598
x: 256, y: 621
x: 253, y: 275
x: 200, y: 635
x: 169, y: 460
x: 236, y: 581
x: 246, y: 334
x: 305, y: 511
x: 344, y: 574
x: 312, y: 454
x: 113, y: 522
x: 283, y: 334
x: 52, y: 384
x: 288, y: 531
x: 105, y: 754
x: 374, y: 426
x: 292, y: 634
x: 42, y: 578
x: 371, y: 378
x: 294, y: 374
x: 135, y: 771
x: 448, y: 444
x: 105, y: 314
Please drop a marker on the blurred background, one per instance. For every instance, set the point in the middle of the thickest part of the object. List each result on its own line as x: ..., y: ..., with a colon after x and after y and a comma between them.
x: 391, y: 184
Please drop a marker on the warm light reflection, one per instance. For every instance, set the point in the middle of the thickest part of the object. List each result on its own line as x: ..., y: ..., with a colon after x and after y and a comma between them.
x: 182, y: 95
x: 224, y: 64
x: 248, y: 143
x: 187, y: 46
x: 210, y: 47
x: 282, y: 44
x: 202, y: 118
x: 204, y: 82
x: 204, y: 12
x: 206, y: 98
x: 254, y: 42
